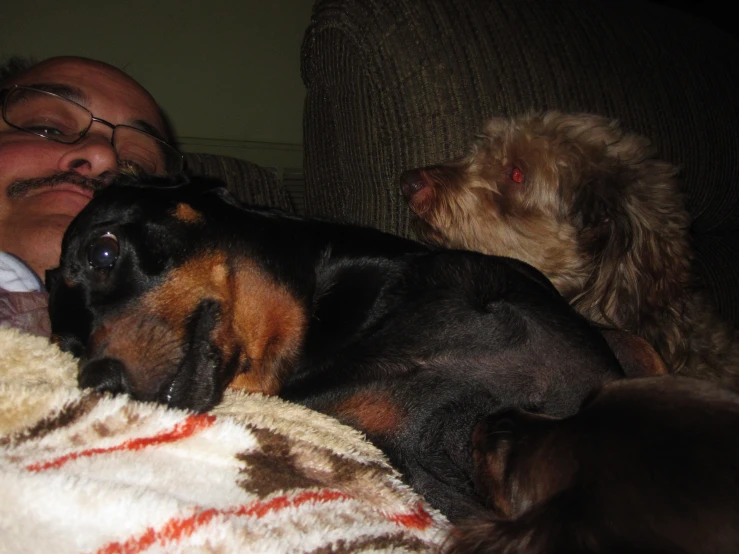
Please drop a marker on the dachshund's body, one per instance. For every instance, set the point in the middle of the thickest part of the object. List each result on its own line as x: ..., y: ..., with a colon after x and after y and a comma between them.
x: 173, y: 294
x: 411, y: 346
x: 648, y: 466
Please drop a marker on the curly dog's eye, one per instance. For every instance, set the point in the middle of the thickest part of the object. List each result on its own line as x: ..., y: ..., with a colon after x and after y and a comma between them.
x: 102, y: 253
x: 517, y: 175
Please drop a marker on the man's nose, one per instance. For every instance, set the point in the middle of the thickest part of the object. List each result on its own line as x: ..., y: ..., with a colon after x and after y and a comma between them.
x: 91, y: 156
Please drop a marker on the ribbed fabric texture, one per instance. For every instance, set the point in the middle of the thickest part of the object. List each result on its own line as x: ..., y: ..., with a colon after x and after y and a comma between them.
x: 248, y: 182
x: 396, y: 84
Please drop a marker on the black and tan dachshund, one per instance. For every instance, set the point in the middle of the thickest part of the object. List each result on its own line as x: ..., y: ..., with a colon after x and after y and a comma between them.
x: 172, y: 294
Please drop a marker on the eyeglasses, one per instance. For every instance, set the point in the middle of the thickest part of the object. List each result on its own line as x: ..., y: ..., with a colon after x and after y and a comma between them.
x: 56, y: 118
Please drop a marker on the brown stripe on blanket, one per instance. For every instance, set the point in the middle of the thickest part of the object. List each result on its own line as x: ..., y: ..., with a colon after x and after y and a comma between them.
x: 274, y: 467
x: 284, y: 463
x: 66, y: 416
x: 389, y: 541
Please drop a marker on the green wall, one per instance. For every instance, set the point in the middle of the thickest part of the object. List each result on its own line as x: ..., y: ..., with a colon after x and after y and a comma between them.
x: 226, y: 72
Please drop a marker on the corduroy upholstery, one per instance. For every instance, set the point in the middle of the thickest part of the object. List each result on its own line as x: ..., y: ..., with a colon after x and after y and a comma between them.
x: 396, y: 84
x: 250, y: 183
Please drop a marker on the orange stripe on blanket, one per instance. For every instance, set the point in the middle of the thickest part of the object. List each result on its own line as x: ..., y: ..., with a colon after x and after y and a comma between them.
x: 178, y: 528
x: 184, y: 429
x: 418, y: 519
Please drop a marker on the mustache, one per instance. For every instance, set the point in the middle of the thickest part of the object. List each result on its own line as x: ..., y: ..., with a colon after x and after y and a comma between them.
x: 21, y: 187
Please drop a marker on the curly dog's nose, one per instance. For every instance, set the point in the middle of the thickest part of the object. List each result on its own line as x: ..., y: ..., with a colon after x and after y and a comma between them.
x: 412, y: 181
x: 104, y: 375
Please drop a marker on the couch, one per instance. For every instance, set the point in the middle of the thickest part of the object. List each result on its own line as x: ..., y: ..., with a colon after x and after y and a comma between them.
x: 247, y: 181
x: 397, y: 84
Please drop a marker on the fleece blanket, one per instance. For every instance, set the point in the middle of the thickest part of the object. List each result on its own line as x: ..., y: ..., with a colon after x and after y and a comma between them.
x: 84, y: 472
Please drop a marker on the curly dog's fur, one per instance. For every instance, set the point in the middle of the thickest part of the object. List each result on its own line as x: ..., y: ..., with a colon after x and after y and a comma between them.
x: 587, y: 204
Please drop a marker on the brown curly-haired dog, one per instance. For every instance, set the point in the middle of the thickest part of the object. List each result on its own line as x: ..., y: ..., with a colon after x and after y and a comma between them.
x: 588, y: 205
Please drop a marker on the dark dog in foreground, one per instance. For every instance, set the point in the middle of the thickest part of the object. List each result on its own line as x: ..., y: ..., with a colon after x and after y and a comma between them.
x: 172, y: 294
x: 647, y: 466
x: 589, y: 206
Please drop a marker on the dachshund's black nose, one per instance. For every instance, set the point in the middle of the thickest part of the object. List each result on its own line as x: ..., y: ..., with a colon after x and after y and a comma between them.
x: 104, y: 375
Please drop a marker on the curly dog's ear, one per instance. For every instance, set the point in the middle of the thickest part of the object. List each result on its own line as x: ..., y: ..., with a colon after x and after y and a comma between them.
x: 601, y: 211
x: 632, y: 226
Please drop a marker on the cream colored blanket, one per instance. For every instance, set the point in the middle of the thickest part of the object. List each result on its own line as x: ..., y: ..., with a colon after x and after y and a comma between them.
x: 82, y: 472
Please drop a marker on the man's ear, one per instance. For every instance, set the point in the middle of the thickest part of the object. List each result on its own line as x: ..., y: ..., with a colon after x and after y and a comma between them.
x: 636, y: 355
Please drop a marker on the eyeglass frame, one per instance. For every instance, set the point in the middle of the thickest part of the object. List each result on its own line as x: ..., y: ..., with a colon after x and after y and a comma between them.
x: 6, y: 91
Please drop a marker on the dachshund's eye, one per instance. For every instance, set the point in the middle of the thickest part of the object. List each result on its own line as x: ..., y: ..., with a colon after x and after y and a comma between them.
x: 517, y: 175
x: 102, y: 253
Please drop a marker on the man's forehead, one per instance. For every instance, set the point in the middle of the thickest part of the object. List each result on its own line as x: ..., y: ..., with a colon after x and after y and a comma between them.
x: 70, y: 92
x: 77, y: 72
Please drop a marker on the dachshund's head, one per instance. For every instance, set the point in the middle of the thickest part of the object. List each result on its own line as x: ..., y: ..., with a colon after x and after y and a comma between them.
x: 148, y: 295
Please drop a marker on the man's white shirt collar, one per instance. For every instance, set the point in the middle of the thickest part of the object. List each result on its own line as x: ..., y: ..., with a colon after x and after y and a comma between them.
x: 16, y: 276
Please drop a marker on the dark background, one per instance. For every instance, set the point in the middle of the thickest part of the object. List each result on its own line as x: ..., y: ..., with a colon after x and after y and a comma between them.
x: 714, y: 11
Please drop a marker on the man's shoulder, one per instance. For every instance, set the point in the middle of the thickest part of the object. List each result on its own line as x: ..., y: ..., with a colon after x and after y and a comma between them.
x: 16, y: 276
x: 24, y: 303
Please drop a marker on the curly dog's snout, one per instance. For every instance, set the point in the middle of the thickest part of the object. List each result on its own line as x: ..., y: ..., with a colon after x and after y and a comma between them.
x: 411, y: 182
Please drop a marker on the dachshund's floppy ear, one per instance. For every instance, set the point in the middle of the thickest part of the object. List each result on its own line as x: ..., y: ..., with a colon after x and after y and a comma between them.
x: 205, y: 186
x: 220, y: 190
x: 132, y: 178
x: 636, y: 355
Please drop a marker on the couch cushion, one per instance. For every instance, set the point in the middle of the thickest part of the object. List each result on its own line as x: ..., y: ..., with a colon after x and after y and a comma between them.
x: 248, y: 182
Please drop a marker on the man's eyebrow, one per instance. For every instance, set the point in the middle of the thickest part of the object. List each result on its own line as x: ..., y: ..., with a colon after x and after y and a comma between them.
x: 149, y: 128
x: 69, y: 92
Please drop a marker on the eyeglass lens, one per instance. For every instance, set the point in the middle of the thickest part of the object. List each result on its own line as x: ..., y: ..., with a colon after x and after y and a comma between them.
x: 61, y: 120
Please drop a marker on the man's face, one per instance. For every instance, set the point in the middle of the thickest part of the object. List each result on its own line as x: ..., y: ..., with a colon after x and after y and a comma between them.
x: 34, y: 213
